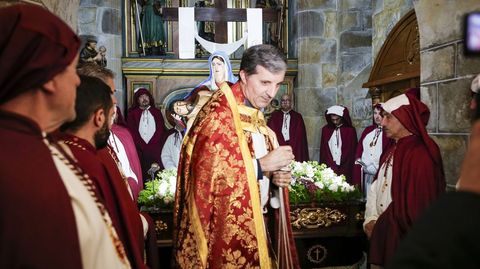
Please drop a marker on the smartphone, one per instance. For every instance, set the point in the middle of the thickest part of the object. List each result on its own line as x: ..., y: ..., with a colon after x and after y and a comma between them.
x: 472, y: 33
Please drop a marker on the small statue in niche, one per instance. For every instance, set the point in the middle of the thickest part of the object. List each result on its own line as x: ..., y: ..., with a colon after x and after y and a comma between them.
x: 89, y: 53
x: 153, y: 32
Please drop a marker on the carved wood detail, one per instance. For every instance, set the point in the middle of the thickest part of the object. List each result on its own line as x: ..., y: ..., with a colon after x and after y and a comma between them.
x: 397, y: 66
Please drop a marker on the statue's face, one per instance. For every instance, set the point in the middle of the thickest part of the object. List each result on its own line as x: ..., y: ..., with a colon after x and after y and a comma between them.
x: 181, y: 108
x: 92, y: 45
x: 218, y: 67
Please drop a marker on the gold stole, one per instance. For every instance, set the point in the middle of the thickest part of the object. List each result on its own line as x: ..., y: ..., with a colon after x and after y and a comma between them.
x: 264, y: 256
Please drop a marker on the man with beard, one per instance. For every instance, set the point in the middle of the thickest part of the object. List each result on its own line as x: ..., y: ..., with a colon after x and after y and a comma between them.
x: 146, y: 125
x: 120, y: 141
x: 120, y: 158
x: 87, y: 138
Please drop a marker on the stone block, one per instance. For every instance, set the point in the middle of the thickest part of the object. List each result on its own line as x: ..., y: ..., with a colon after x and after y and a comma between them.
x: 429, y: 96
x: 87, y: 29
x: 366, y: 18
x: 353, y: 40
x: 329, y: 75
x: 437, y: 64
x: 453, y: 103
x: 317, y: 50
x: 396, y: 5
x: 111, y: 21
x: 441, y: 20
x: 87, y: 15
x: 466, y: 65
x: 310, y: 23
x: 361, y: 109
x: 315, y: 101
x: 356, y: 4
x: 353, y: 63
x: 350, y: 21
x: 317, y: 4
x: 313, y: 126
x: 309, y: 75
x: 452, y: 148
x: 331, y: 29
x: 378, y: 6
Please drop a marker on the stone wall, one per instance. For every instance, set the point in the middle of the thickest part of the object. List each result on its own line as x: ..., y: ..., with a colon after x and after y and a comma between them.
x: 446, y: 75
x: 333, y: 43
x: 65, y: 9
x: 103, y: 19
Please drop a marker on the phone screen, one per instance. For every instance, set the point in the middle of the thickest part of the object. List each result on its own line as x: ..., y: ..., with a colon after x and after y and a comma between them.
x: 472, y: 33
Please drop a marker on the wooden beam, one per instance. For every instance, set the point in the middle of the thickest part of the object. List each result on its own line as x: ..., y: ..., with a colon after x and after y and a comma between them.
x: 215, y: 15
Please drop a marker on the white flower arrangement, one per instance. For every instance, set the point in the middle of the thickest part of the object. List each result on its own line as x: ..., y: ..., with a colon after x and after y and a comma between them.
x: 314, y: 182
x: 160, y: 192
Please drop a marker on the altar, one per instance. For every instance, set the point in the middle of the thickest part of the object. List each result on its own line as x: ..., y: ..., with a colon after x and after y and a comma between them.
x: 327, y: 234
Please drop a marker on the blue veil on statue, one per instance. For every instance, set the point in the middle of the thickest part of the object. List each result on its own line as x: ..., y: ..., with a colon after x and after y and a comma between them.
x: 220, y: 71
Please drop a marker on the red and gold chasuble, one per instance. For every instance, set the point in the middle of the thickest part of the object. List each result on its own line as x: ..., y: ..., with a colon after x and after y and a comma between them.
x: 218, y: 215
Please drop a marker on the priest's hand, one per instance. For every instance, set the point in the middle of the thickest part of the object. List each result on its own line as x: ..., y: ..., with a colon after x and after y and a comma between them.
x: 470, y: 169
x: 282, y: 178
x: 369, y: 228
x: 277, y: 159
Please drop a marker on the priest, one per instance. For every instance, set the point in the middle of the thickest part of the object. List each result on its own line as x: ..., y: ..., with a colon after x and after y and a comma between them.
x: 338, y: 142
x: 289, y: 127
x: 219, y: 205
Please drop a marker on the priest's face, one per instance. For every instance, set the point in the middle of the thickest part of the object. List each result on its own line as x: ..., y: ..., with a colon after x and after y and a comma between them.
x: 392, y: 127
x: 286, y: 103
x: 260, y: 88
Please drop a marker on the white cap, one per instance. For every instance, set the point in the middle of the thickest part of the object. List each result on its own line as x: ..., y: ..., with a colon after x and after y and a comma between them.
x: 395, y: 102
x: 337, y: 110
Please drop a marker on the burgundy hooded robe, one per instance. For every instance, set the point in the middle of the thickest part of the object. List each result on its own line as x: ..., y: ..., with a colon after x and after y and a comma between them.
x: 148, y: 153
x: 349, y: 144
x: 117, y: 200
x: 126, y: 139
x: 298, y: 135
x: 417, y: 179
x: 357, y: 168
x: 37, y: 223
